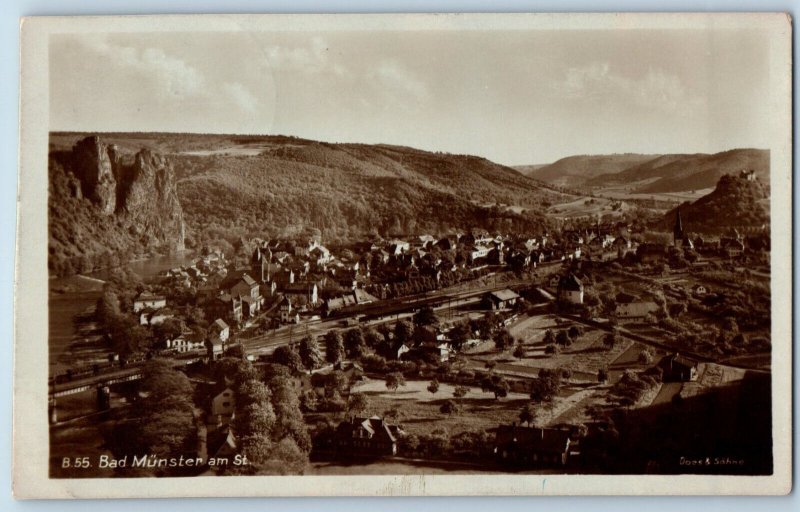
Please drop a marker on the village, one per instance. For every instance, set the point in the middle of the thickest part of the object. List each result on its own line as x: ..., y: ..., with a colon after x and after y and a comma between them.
x: 474, y: 350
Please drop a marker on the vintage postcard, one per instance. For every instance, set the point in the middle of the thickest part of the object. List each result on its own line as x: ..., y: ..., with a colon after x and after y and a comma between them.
x: 476, y: 254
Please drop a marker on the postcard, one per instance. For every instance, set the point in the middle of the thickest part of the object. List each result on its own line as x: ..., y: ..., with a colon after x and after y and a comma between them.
x: 396, y: 254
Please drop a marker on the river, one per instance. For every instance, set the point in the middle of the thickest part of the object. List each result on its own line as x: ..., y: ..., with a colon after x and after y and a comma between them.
x: 72, y: 343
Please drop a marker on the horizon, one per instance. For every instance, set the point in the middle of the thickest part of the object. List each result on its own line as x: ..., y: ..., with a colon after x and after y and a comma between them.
x: 513, y: 165
x: 513, y: 97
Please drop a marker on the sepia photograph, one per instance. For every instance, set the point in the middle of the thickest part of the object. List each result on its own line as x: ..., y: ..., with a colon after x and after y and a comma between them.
x: 452, y: 246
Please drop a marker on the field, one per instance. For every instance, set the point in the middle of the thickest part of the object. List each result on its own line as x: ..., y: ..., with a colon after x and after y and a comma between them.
x: 589, y: 206
x: 675, y: 197
x: 584, y: 357
x: 419, y: 409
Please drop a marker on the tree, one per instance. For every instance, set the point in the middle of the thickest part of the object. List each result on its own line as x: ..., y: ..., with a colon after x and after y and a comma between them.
x: 357, y: 404
x: 503, y: 339
x: 289, y: 357
x: 391, y: 415
x: 527, y: 414
x: 394, y: 380
x: 519, y: 351
x: 501, y: 387
x: 372, y: 338
x: 563, y: 339
x: 107, y: 308
x: 459, y: 335
x: 236, y: 369
x: 403, y: 331
x: 334, y: 347
x: 310, y: 353
x: 337, y: 381
x: 460, y: 391
x: 549, y: 337
x: 354, y: 343
x: 609, y: 340
x: 252, y: 392
x: 450, y: 407
x: 166, y: 412
x: 547, y: 385
x: 433, y: 387
x: 574, y: 332
x: 254, y: 420
x: 551, y: 349
x: 646, y: 356
x: 425, y: 316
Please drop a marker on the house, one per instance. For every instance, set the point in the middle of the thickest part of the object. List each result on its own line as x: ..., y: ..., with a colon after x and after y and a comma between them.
x: 287, y: 312
x: 677, y: 368
x: 570, y: 289
x: 446, y: 244
x: 147, y: 300
x: 214, y: 348
x: 186, y: 342
x: 220, y: 329
x: 223, y: 404
x: 652, y: 253
x: 503, y: 299
x: 479, y: 251
x: 635, y: 309
x: 308, y: 291
x: 247, y: 289
x: 350, y: 299
x: 398, y: 247
x: 404, y: 348
x: 731, y: 247
x: 531, y: 446
x: 225, y: 306
x: 367, y: 437
x: 222, y: 444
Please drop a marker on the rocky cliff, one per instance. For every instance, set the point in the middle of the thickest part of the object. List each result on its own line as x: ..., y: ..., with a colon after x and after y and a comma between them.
x: 107, y: 206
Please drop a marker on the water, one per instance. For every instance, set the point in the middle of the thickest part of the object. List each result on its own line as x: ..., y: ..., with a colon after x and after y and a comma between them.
x: 77, y: 295
x: 150, y: 269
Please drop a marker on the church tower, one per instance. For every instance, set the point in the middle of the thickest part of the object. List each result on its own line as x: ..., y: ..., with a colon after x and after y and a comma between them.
x: 677, y: 231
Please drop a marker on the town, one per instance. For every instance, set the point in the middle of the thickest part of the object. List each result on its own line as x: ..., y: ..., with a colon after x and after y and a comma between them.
x: 471, y: 352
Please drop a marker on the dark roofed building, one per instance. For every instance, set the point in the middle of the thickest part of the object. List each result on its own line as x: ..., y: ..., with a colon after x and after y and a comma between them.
x: 678, y: 368
x: 503, y: 299
x: 367, y: 437
x: 531, y: 446
x: 570, y: 289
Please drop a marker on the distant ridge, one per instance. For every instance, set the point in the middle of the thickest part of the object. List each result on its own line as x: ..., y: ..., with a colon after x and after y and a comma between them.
x: 653, y: 173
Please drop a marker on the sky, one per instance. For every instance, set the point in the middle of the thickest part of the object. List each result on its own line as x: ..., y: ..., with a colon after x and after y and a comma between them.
x: 515, y: 97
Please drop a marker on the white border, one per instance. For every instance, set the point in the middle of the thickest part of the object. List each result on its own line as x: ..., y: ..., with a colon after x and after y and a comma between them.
x: 30, y: 372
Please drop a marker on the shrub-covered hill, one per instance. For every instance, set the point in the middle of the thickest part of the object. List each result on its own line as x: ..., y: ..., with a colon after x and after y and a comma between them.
x: 651, y: 174
x: 676, y: 173
x: 348, y: 191
x: 736, y: 202
x: 574, y: 171
x: 231, y: 186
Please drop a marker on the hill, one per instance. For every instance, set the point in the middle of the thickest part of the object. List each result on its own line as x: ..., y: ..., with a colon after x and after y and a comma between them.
x: 677, y: 173
x: 574, y: 171
x: 106, y: 206
x: 234, y: 187
x: 529, y: 170
x: 736, y: 202
x: 649, y: 174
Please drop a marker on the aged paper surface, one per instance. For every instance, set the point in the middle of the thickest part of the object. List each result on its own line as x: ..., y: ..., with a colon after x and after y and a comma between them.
x: 271, y: 266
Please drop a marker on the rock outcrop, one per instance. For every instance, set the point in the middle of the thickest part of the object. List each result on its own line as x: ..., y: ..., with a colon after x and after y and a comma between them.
x: 141, y: 193
x: 92, y: 165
